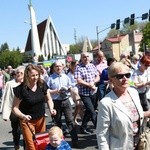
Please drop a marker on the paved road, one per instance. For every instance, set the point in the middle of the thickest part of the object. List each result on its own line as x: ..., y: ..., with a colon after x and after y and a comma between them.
x: 88, y: 142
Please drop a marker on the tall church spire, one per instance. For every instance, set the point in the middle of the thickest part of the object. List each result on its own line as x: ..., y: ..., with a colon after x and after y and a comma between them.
x: 30, y: 2
x: 34, y: 32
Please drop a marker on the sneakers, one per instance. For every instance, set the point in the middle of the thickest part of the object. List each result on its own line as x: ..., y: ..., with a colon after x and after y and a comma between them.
x: 77, y: 123
x: 46, y: 115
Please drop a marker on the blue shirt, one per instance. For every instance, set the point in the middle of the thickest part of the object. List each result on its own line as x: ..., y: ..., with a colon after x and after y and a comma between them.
x: 104, y: 76
x: 63, y: 146
x: 57, y: 81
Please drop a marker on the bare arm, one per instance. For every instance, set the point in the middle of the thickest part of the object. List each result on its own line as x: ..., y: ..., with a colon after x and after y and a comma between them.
x: 50, y: 103
x: 55, y: 91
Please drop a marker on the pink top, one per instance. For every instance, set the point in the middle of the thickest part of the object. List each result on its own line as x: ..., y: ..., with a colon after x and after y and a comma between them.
x: 101, y: 66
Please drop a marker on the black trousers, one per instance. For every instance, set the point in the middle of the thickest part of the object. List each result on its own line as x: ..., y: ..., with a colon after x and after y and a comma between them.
x: 16, y: 130
x: 90, y: 114
x: 64, y: 107
x: 143, y: 101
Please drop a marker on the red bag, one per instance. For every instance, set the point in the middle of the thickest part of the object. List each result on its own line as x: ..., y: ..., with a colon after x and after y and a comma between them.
x: 41, y: 140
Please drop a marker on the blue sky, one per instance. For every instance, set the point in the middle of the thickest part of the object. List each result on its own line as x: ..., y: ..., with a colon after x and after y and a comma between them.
x: 67, y: 15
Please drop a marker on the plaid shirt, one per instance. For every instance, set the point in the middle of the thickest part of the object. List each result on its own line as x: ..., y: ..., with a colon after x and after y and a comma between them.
x: 86, y: 73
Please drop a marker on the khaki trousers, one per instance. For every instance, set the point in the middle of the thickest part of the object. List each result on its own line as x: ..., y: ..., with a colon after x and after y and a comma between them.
x: 37, y: 126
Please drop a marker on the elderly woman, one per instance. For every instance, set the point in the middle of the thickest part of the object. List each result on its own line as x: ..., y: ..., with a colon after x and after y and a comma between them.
x: 120, y: 113
x: 141, y: 79
x: 8, y: 98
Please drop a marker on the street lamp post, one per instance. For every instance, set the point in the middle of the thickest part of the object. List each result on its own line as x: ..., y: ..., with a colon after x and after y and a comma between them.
x: 97, y: 33
x: 97, y: 38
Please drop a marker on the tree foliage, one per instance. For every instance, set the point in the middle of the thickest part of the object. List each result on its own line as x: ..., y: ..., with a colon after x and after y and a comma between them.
x: 4, y: 47
x: 145, y: 42
x: 127, y: 28
x: 41, y: 58
x: 27, y: 58
x: 10, y: 57
x: 77, y: 48
x: 13, y: 58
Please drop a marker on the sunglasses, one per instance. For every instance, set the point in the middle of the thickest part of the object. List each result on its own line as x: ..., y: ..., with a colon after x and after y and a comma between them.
x: 120, y: 76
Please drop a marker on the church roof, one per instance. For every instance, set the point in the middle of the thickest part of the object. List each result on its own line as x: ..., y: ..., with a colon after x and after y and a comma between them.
x: 41, y: 30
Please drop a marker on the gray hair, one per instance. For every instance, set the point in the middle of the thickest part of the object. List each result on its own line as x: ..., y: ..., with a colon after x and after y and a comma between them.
x: 19, y: 68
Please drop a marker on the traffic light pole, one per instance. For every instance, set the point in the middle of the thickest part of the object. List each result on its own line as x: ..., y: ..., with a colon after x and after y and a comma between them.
x: 97, y: 33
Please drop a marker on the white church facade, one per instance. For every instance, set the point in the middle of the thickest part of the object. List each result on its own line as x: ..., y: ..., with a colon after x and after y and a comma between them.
x: 43, y: 39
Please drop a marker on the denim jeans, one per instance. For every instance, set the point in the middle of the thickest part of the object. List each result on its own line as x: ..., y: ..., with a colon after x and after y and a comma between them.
x: 64, y: 106
x: 16, y: 130
x: 89, y: 103
x: 144, y: 101
x: 102, y: 89
x: 1, y: 92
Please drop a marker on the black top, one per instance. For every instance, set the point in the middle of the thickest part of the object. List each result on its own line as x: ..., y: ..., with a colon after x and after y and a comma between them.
x: 32, y: 103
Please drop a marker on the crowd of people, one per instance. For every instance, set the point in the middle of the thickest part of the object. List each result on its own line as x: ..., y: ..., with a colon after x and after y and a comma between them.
x: 111, y: 94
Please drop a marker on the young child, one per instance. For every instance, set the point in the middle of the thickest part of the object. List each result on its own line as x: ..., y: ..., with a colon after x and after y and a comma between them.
x: 57, y: 141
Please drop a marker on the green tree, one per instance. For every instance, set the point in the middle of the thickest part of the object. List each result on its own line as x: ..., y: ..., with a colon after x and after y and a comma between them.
x: 112, y: 33
x: 145, y: 42
x: 16, y: 58
x: 48, y: 57
x: 78, y: 46
x: 4, y: 59
x: 27, y: 58
x: 4, y: 47
x: 126, y: 29
x: 75, y: 49
x: 13, y: 58
x: 40, y: 58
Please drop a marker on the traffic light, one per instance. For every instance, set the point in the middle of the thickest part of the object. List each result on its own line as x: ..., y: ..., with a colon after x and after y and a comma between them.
x: 126, y: 20
x: 132, y: 19
x: 144, y: 16
x: 112, y: 26
x: 117, y: 24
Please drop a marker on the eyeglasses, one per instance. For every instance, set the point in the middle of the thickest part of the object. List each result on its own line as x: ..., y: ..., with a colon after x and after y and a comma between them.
x: 120, y: 76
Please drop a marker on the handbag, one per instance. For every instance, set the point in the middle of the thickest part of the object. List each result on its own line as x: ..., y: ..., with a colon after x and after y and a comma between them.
x: 41, y: 140
x: 144, y: 139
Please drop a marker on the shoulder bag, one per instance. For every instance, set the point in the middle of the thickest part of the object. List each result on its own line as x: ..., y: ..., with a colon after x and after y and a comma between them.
x: 41, y: 140
x: 144, y: 140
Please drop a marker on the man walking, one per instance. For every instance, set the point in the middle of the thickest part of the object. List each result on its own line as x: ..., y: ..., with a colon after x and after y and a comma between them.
x: 87, y: 76
x: 60, y: 85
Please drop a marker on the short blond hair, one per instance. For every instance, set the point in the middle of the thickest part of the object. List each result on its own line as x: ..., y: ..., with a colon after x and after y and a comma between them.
x: 115, y: 66
x: 55, y: 130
